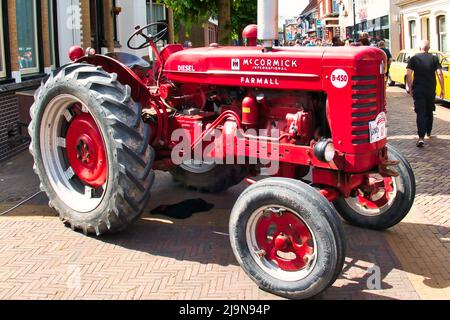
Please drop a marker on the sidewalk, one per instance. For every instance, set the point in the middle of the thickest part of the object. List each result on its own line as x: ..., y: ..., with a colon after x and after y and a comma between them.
x: 159, y: 258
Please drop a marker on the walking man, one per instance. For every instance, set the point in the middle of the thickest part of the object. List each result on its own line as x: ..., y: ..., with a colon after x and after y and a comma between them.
x: 425, y: 66
x: 382, y: 46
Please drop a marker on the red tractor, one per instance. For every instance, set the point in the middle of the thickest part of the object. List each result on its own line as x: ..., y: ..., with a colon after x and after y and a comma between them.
x: 102, y: 125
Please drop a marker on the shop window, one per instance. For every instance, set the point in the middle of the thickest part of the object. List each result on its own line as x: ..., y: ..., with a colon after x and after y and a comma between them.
x: 442, y: 35
x: 412, y: 34
x: 2, y: 47
x: 27, y: 36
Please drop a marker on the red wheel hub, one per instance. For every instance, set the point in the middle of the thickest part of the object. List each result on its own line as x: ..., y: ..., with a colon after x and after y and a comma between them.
x: 375, y: 187
x: 86, y: 151
x: 285, y: 239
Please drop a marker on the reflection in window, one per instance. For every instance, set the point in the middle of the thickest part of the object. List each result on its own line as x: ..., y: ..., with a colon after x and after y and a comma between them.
x: 442, y: 35
x: 2, y: 47
x: 27, y: 35
x: 51, y: 32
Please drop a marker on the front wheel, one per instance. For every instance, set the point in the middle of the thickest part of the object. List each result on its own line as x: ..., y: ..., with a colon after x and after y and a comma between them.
x: 390, y: 201
x: 287, y: 237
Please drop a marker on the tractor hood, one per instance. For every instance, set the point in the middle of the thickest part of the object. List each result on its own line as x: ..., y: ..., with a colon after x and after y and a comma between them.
x: 281, y: 68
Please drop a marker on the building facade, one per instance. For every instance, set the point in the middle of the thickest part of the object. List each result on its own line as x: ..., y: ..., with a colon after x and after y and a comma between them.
x: 308, y: 20
x: 329, y: 19
x: 200, y: 35
x: 379, y: 18
x: 35, y: 36
x: 425, y: 20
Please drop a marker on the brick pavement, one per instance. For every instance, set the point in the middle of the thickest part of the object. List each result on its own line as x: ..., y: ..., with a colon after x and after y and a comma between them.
x: 159, y: 258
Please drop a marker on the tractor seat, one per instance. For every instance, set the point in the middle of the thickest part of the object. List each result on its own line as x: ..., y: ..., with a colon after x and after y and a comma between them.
x: 130, y: 60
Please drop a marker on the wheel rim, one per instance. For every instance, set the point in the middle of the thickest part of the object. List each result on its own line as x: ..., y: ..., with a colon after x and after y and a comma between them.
x: 73, y: 153
x: 198, y: 167
x: 281, y: 243
x: 383, y: 192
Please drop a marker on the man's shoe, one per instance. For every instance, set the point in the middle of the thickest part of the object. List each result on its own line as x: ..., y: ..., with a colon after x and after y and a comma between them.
x: 420, y: 143
x: 429, y: 136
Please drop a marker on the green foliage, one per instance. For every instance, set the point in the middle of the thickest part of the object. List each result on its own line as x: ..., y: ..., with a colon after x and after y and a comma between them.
x: 243, y: 13
x: 190, y: 12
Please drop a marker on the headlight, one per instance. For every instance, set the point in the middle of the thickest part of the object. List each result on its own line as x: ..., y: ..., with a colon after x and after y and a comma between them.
x: 324, y: 150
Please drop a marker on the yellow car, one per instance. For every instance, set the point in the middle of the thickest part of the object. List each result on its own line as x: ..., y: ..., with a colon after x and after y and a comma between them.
x: 397, y: 71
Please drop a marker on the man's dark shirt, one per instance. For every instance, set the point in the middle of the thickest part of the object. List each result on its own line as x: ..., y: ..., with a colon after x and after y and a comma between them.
x: 424, y: 66
x: 388, y: 53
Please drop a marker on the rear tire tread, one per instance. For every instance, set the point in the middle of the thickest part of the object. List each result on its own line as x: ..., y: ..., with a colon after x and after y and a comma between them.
x: 130, y: 137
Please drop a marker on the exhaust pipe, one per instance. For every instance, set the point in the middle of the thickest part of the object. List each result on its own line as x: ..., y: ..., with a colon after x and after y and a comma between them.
x: 267, y: 22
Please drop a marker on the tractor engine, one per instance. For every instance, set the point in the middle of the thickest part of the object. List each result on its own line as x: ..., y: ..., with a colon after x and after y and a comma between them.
x: 295, y: 116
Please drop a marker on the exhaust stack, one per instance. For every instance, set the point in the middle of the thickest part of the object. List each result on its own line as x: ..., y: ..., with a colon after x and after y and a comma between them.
x: 267, y: 22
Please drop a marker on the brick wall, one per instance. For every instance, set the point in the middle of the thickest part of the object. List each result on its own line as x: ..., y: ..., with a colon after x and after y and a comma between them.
x: 12, y: 140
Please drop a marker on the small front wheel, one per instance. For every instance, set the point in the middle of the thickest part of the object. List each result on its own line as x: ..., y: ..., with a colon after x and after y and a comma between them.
x: 388, y: 203
x: 287, y: 237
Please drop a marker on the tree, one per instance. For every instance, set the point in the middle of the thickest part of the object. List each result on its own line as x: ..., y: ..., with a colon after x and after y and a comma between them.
x: 232, y: 15
x: 224, y: 18
x: 243, y: 13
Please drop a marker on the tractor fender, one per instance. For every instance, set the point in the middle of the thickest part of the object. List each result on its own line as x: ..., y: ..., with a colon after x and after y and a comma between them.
x: 125, y: 75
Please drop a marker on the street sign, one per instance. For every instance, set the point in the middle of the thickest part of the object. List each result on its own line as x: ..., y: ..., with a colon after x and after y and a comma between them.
x: 318, y: 23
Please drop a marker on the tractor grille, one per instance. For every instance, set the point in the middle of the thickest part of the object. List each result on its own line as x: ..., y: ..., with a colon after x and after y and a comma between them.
x: 365, y: 107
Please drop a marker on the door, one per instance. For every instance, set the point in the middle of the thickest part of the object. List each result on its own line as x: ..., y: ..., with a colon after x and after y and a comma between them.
x: 97, y: 25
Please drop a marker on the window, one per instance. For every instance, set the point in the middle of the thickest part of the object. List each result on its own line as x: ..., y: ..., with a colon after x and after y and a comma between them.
x: 334, y: 6
x: 212, y: 35
x: 27, y: 36
x: 2, y: 47
x: 412, y: 34
x: 425, y: 26
x: 442, y: 35
x: 155, y: 12
x: 51, y: 32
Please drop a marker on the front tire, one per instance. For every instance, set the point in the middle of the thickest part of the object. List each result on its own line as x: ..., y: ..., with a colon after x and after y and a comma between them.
x: 387, y: 208
x: 91, y: 149
x: 287, y: 237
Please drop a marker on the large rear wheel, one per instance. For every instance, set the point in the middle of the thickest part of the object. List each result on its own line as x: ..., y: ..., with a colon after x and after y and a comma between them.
x: 287, y: 237
x: 91, y: 149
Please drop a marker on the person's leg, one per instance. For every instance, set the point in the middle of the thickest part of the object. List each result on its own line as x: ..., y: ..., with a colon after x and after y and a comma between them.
x: 429, y: 115
x: 420, y: 106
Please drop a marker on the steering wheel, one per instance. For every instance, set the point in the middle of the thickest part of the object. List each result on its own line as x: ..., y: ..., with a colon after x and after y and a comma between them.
x: 149, y: 38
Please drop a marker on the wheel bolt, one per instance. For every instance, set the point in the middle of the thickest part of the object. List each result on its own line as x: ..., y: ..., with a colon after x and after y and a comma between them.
x: 306, y: 259
x: 261, y: 253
